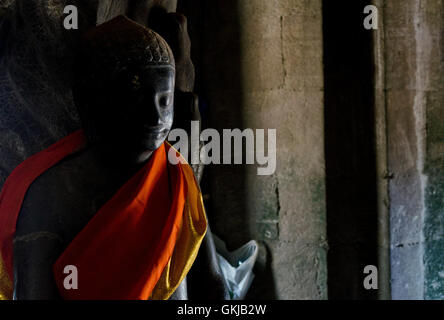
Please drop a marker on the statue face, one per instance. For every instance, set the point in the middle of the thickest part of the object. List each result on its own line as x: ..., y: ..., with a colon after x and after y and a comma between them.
x: 148, y: 116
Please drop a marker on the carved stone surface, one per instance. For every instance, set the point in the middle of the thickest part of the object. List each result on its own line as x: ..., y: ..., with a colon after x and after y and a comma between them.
x: 38, y: 109
x: 35, y: 95
x: 35, y: 60
x: 128, y: 124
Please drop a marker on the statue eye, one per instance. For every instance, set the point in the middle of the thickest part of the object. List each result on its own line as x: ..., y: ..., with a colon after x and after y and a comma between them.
x: 164, y: 100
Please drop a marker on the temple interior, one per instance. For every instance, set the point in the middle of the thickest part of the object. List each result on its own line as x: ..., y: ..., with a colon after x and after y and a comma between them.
x: 358, y: 114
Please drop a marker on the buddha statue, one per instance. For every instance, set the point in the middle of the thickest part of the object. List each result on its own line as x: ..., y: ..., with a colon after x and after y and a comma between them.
x: 124, y: 89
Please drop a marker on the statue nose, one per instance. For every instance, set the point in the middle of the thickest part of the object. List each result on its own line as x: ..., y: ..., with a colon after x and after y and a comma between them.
x: 151, y: 115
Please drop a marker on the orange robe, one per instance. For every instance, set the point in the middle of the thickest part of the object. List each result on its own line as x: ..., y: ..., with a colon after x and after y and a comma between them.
x: 139, y: 245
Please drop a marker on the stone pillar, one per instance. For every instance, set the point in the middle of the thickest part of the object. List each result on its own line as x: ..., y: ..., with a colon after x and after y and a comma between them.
x: 260, y: 67
x: 281, y: 51
x: 415, y: 148
x: 430, y: 94
x: 382, y: 171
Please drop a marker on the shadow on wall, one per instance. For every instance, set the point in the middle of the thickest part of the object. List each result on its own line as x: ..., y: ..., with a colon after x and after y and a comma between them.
x: 349, y: 149
x: 214, y: 29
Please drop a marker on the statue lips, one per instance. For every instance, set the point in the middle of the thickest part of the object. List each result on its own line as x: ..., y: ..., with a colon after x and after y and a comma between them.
x: 155, y: 133
x: 153, y: 136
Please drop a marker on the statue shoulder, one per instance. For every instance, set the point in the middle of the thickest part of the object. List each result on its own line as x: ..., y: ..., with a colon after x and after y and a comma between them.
x: 53, y: 197
x: 40, y: 206
x: 62, y: 196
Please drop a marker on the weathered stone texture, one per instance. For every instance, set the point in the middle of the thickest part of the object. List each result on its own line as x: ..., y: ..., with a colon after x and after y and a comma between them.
x: 415, y: 104
x: 261, y: 67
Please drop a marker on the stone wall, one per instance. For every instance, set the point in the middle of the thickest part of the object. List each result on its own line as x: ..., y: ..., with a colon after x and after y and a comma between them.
x: 259, y: 65
x: 415, y: 107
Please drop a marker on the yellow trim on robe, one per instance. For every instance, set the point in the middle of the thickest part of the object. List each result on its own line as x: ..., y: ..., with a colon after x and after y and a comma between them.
x: 187, y: 246
x: 5, y: 283
x: 194, y: 227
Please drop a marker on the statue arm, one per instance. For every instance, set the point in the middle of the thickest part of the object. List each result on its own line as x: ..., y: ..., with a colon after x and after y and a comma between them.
x: 37, y: 245
x: 34, y: 255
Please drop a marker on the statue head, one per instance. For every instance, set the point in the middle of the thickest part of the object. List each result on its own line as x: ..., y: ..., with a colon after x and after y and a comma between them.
x: 124, y: 87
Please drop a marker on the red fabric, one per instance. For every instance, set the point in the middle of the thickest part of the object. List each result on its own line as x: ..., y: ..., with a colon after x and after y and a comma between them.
x: 18, y: 182
x: 123, y: 250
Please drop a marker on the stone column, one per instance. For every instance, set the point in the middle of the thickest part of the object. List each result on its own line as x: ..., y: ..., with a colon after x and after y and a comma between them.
x: 382, y: 172
x: 260, y: 67
x: 415, y: 145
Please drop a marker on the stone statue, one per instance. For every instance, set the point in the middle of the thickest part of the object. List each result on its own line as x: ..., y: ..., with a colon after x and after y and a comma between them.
x: 126, y: 100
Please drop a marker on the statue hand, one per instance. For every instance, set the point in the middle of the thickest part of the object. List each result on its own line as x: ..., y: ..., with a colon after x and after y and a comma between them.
x: 186, y: 109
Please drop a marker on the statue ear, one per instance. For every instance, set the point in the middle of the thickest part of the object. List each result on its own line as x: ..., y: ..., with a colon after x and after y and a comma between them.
x: 86, y: 120
x: 85, y: 102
